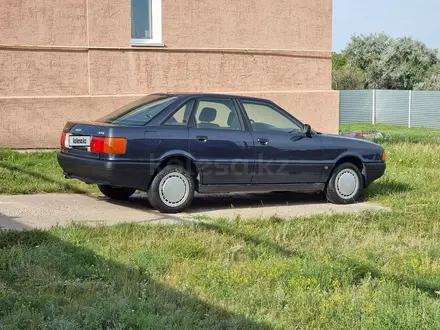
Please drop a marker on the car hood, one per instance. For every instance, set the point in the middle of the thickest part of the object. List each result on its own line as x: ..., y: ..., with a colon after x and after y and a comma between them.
x: 351, y: 140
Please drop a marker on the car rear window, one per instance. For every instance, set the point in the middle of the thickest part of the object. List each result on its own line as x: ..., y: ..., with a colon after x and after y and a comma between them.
x: 140, y: 112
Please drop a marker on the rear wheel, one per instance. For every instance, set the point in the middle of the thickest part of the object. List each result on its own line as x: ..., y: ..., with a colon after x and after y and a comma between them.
x: 117, y: 193
x: 172, y: 190
x: 345, y: 185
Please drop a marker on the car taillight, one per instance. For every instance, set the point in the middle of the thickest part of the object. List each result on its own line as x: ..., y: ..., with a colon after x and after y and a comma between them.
x: 115, y: 146
x: 108, y: 145
x: 63, y: 139
x: 97, y: 144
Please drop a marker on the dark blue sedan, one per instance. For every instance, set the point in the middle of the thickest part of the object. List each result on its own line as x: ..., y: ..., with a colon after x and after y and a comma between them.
x: 171, y: 145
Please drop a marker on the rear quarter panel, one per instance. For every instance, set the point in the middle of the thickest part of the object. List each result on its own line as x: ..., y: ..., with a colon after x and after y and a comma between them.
x: 150, y: 145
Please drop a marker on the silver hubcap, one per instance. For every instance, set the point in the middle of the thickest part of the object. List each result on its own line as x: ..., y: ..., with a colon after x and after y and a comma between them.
x: 174, y: 189
x: 347, y: 184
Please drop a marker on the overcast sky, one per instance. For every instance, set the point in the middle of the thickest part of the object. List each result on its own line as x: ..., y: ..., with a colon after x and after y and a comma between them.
x: 419, y: 19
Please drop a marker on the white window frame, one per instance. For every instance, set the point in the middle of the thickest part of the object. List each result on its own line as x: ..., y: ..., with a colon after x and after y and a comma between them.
x: 156, y: 27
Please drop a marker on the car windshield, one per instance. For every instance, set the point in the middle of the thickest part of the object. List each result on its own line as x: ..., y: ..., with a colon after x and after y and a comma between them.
x: 140, y: 112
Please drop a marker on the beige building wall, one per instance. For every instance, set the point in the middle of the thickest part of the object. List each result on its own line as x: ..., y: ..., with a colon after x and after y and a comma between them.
x: 72, y: 60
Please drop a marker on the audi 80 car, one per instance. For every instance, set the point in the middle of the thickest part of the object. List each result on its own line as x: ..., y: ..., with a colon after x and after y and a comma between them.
x: 173, y: 145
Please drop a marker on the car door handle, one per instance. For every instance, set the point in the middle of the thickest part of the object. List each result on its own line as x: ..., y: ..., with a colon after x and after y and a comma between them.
x: 202, y: 139
x: 263, y: 142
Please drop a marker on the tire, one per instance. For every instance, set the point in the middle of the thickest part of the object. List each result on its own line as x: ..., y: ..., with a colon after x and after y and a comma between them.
x: 116, y: 193
x: 346, y: 185
x: 172, y: 189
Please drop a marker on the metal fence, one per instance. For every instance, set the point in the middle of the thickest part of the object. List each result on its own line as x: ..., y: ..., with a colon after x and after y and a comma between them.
x: 408, y: 108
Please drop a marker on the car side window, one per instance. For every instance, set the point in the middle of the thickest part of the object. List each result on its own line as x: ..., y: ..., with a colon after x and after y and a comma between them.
x: 217, y: 114
x: 265, y: 118
x: 181, y: 116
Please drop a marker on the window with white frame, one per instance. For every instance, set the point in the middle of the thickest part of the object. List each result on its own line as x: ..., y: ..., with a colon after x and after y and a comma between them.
x: 146, y: 22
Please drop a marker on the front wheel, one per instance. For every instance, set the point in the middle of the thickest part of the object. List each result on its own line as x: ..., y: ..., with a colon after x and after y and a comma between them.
x: 172, y: 189
x: 117, y: 193
x: 345, y: 185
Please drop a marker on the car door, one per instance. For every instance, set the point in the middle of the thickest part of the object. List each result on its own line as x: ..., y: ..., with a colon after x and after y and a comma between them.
x: 173, y: 133
x: 284, y: 154
x: 218, y: 140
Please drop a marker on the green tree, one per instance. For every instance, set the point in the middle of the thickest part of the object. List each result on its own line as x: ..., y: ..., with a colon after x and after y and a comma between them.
x: 362, y: 56
x: 406, y: 63
x: 389, y: 63
x: 365, y: 50
x: 347, y: 78
x: 339, y: 61
x: 431, y: 81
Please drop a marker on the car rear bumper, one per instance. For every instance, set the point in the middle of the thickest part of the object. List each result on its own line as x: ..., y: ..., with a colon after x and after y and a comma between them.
x: 114, y: 173
x: 373, y: 172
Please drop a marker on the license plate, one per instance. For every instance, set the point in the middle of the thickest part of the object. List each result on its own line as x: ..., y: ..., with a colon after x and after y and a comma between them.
x: 79, y: 141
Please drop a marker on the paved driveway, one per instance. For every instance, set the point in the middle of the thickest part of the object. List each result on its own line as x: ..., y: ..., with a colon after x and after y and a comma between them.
x: 45, y: 211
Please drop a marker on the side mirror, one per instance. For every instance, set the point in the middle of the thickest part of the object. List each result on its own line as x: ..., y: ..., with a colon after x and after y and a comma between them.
x: 308, y: 130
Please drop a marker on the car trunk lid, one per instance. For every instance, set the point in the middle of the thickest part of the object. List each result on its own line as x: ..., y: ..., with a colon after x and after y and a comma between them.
x: 77, y: 137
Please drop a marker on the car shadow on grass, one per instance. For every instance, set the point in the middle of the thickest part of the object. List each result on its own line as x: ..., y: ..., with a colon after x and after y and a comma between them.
x: 47, y: 282
x: 386, y: 187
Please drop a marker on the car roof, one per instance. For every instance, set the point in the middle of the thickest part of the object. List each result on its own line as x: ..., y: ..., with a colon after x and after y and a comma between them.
x: 218, y: 95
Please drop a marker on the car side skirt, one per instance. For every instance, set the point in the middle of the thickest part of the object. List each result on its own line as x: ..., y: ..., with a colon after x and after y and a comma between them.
x: 294, y: 187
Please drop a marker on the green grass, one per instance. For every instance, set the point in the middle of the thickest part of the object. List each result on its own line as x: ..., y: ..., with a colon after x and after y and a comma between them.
x: 30, y: 173
x: 363, y: 271
x: 398, y: 134
x: 412, y: 179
